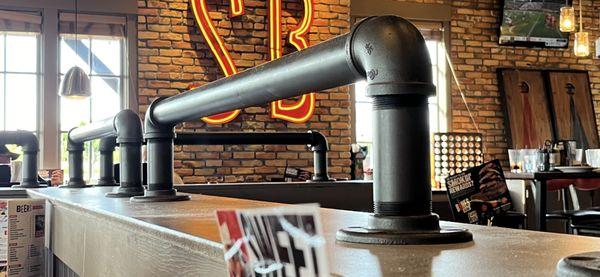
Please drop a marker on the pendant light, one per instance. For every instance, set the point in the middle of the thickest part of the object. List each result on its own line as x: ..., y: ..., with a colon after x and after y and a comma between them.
x: 567, y: 18
x: 76, y: 83
x: 582, y: 39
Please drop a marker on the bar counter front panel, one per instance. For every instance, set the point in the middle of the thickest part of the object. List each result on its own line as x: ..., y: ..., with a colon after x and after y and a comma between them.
x: 98, y: 236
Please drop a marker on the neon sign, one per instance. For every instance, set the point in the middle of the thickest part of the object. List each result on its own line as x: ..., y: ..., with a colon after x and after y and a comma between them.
x: 300, y: 110
x: 304, y: 108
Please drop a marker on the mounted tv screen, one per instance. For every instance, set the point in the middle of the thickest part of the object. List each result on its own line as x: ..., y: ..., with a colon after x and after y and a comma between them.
x: 532, y: 23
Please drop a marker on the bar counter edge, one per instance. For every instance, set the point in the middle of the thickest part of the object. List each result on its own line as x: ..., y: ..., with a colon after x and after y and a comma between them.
x: 97, y: 236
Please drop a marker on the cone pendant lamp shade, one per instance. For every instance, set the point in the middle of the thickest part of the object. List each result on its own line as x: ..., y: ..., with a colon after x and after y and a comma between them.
x: 76, y: 84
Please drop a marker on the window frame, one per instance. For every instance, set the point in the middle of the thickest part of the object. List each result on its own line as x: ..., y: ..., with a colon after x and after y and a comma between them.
x: 48, y: 116
x: 88, y: 154
x: 38, y: 76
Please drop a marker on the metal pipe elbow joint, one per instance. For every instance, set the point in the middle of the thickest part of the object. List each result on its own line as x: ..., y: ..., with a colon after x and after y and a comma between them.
x: 391, y: 54
x: 128, y: 127
x: 30, y: 146
x: 129, y: 137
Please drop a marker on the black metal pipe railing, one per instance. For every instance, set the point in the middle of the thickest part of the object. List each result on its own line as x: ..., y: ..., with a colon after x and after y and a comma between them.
x: 388, y: 52
x: 313, y: 139
x: 30, y: 146
x: 391, y: 55
x: 126, y: 127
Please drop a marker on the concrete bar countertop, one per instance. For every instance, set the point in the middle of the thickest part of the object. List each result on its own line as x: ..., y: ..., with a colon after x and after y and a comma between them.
x: 98, y: 236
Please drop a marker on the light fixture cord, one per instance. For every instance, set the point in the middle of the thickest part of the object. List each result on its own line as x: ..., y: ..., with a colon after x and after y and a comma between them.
x: 462, y: 95
x: 580, y: 17
x: 76, y: 25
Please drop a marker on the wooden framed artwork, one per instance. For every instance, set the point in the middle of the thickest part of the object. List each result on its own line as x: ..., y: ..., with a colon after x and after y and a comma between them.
x: 526, y: 107
x: 572, y: 107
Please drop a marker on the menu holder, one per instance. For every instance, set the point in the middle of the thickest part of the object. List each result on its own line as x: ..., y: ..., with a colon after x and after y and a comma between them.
x: 479, y: 194
x: 292, y: 174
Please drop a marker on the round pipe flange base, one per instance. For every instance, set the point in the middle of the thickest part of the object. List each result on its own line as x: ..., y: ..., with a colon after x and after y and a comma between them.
x: 106, y: 184
x: 125, y: 192
x: 74, y: 186
x: 404, y: 230
x: 29, y: 186
x: 375, y: 236
x: 160, y: 198
x: 583, y: 264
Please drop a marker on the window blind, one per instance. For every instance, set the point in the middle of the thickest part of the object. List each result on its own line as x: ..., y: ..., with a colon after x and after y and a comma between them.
x: 430, y: 30
x: 14, y: 21
x: 95, y: 25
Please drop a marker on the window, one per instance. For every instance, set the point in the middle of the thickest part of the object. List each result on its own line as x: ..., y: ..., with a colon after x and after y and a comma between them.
x: 438, y: 111
x: 35, y: 56
x: 19, y: 71
x: 99, y: 51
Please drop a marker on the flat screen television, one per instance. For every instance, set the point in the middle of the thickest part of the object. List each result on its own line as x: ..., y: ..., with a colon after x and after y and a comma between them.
x: 532, y: 23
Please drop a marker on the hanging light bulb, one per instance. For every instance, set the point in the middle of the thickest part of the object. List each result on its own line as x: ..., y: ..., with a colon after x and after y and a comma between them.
x: 76, y: 83
x: 582, y: 44
x: 582, y: 39
x: 567, y: 19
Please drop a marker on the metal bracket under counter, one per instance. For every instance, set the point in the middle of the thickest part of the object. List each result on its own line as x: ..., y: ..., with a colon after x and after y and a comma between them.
x: 98, y: 236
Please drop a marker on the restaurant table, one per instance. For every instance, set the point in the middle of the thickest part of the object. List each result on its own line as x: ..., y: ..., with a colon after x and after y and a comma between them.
x: 541, y: 181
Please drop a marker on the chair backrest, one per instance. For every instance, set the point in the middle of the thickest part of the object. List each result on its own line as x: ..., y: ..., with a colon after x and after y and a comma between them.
x: 4, y: 175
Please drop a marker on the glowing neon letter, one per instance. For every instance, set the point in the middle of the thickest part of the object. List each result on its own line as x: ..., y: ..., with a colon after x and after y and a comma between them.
x: 298, y: 112
x: 303, y: 109
x: 218, y: 49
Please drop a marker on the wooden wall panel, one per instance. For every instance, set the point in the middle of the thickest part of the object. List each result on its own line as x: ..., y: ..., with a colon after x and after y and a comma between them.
x: 526, y: 106
x: 572, y: 108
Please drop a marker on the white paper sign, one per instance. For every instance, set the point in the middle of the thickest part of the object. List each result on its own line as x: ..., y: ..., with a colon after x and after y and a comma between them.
x: 278, y: 241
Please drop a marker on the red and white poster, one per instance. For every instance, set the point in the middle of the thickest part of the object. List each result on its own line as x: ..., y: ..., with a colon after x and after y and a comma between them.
x: 282, y: 241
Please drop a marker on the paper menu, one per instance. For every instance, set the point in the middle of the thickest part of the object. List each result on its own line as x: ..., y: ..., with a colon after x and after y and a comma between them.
x: 277, y: 241
x: 22, y: 232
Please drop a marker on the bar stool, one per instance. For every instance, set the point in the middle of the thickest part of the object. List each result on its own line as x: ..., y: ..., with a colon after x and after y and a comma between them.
x: 585, y: 222
x: 563, y: 186
x: 577, y: 219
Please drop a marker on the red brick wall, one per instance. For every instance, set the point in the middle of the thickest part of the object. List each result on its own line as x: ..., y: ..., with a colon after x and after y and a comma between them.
x: 172, y: 54
x: 476, y: 55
